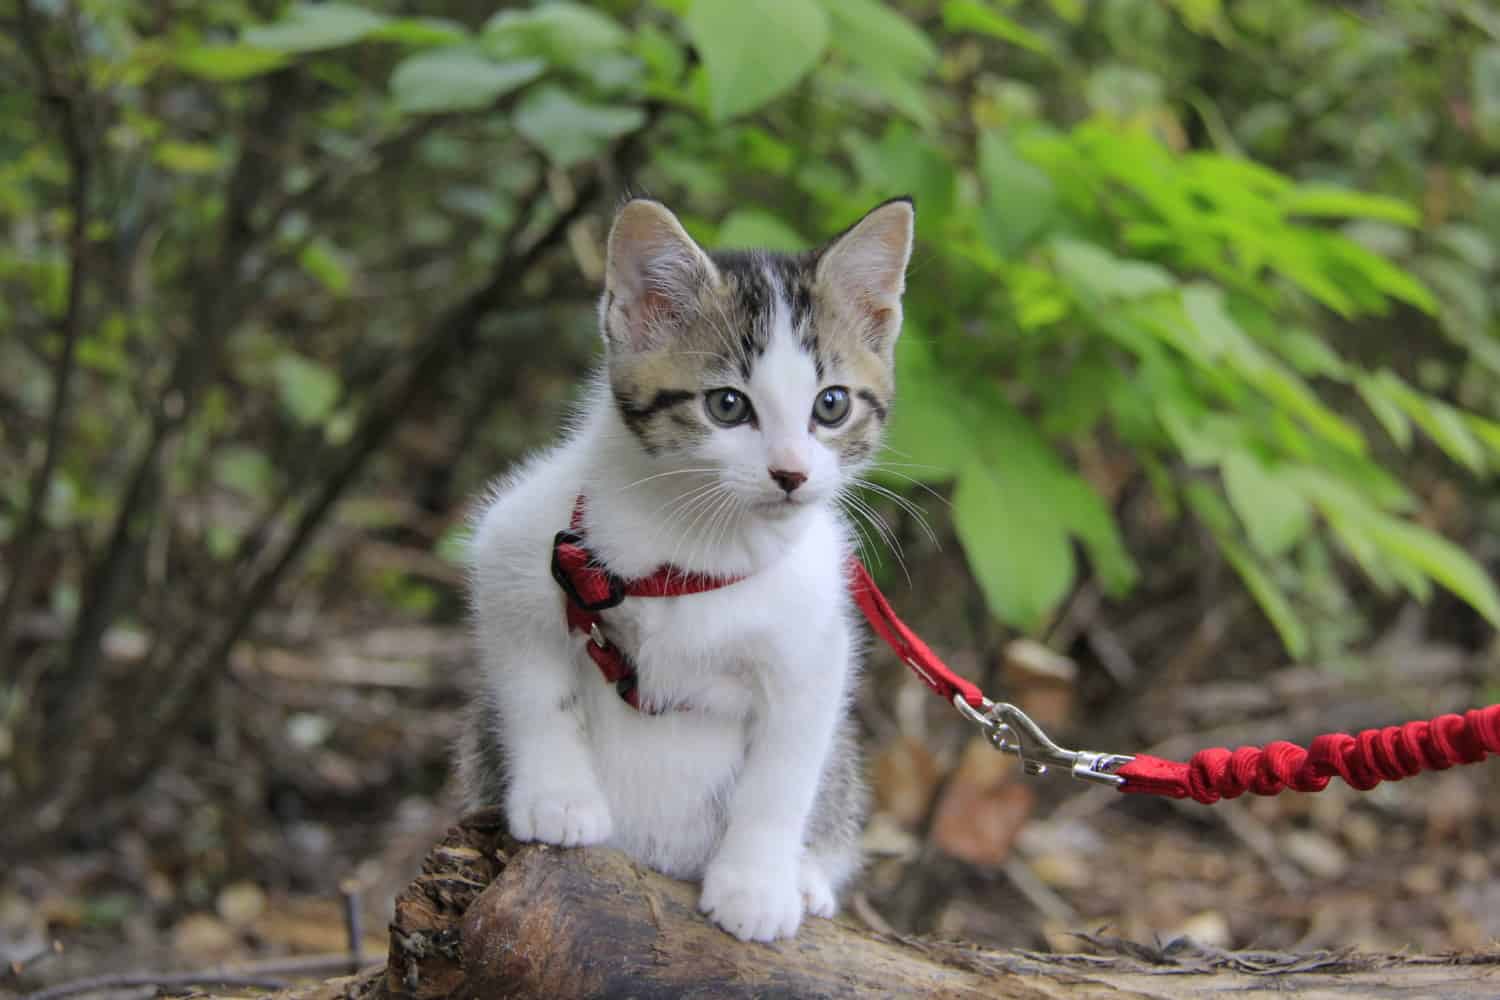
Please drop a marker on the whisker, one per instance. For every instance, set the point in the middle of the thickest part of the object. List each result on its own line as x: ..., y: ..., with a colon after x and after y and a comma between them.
x: 862, y: 545
x: 917, y: 513
x: 882, y: 528
x: 710, y: 500
x: 663, y: 475
x: 888, y: 470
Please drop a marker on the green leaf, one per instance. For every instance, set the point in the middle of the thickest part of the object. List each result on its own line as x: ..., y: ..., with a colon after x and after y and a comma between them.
x: 457, y: 79
x: 188, y: 157
x: 227, y: 63
x: 1327, y: 201
x: 561, y: 32
x: 309, y: 27
x: 321, y: 259
x: 1391, y: 416
x: 1206, y: 312
x: 1440, y: 559
x: 1384, y: 275
x: 1469, y: 244
x: 1019, y: 198
x: 308, y: 390
x: 245, y: 470
x: 1278, y: 609
x: 1445, y: 425
x: 1104, y: 276
x: 975, y: 15
x: 1275, y: 514
x: 1015, y: 544
x: 1089, y: 519
x: 421, y: 32
x: 1273, y: 602
x: 751, y: 227
x: 570, y: 130
x: 1484, y: 83
x: 928, y: 438
x: 875, y: 35
x: 755, y: 50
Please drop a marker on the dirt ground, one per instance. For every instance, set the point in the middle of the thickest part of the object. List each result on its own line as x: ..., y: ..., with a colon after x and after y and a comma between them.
x: 318, y: 780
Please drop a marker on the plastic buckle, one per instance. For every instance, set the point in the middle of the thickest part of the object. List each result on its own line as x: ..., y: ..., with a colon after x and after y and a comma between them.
x: 616, y: 586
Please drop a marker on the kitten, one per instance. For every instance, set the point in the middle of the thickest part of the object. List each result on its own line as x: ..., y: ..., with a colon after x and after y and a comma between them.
x: 741, y: 393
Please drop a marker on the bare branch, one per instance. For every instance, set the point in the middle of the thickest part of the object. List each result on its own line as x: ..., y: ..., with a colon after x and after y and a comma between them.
x: 62, y: 99
x: 107, y: 582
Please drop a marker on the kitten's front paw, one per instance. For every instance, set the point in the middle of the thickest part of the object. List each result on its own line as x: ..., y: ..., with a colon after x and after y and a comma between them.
x: 817, y: 891
x: 566, y: 817
x: 753, y: 904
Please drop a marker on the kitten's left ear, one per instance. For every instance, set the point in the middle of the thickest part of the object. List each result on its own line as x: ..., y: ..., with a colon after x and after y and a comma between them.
x: 865, y: 268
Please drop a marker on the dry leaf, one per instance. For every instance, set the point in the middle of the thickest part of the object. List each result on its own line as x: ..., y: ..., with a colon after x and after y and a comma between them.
x: 982, y: 810
x: 905, y: 776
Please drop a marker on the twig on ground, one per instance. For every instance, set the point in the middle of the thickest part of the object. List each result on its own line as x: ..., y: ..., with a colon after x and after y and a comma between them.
x: 272, y: 974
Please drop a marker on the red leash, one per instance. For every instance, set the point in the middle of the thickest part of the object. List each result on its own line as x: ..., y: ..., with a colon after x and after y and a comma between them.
x: 1363, y: 761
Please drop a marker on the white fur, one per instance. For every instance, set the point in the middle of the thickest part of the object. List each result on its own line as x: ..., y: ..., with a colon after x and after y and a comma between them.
x: 765, y: 665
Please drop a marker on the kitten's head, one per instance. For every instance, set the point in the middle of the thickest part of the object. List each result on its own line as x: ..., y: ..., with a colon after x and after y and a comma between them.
x: 775, y: 371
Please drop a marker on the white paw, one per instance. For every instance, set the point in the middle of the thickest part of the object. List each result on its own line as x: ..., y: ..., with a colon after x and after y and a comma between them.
x: 566, y: 817
x: 817, y: 891
x: 752, y: 903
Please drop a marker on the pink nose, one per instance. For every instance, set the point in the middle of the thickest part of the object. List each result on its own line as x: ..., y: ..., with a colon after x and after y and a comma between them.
x: 788, y: 480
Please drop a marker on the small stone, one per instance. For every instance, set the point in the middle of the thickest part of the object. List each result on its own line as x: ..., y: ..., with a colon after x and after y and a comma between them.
x: 1063, y: 870
x: 241, y: 903
x: 1316, y: 854
x: 200, y: 937
x: 1423, y: 880
x: 884, y: 837
x: 1362, y: 833
x: 1209, y: 929
x: 1473, y: 867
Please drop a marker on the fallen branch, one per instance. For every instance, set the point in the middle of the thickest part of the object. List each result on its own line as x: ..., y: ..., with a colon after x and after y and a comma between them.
x: 491, y: 917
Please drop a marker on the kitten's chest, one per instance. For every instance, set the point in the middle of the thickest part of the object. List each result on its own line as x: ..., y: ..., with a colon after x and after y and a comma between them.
x: 706, y: 649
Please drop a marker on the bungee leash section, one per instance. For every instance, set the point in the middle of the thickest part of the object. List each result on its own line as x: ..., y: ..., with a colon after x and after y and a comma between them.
x: 1363, y: 760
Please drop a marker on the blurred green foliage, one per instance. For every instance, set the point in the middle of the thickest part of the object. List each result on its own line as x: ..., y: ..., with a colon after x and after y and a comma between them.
x: 1250, y: 245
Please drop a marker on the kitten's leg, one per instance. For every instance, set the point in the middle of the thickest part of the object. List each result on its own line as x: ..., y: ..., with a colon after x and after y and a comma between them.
x: 553, y: 794
x: 751, y: 887
x: 832, y: 854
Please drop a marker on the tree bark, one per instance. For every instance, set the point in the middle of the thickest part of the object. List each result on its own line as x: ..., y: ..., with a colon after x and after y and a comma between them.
x: 490, y: 917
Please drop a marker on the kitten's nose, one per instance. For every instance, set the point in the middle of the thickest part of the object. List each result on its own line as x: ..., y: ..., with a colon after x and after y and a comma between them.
x: 787, y: 479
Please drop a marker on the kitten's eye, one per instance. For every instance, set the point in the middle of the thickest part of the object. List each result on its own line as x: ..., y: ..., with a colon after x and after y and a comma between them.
x: 727, y: 407
x: 832, y: 406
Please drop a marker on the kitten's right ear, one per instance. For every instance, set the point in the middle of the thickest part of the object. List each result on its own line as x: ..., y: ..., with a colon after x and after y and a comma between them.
x: 652, y: 273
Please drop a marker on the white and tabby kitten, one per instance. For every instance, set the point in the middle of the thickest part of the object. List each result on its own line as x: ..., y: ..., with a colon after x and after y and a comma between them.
x: 741, y: 393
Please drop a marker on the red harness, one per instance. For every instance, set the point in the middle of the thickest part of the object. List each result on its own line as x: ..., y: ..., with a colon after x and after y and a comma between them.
x: 1363, y: 761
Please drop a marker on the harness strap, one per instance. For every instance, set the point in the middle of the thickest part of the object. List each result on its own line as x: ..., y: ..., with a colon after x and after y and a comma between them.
x: 591, y: 588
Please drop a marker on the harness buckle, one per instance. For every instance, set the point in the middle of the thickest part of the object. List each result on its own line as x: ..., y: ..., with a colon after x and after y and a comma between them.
x: 1012, y: 731
x: 616, y: 594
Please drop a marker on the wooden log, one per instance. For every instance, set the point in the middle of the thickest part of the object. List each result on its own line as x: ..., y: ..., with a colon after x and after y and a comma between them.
x: 489, y: 917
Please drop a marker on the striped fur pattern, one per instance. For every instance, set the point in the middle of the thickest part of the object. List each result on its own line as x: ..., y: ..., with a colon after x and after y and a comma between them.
x: 725, y: 315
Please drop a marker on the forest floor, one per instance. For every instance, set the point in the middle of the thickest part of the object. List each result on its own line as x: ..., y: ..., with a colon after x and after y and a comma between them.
x: 320, y: 776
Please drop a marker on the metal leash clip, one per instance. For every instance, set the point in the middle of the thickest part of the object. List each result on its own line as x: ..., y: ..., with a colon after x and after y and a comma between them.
x: 1012, y: 731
